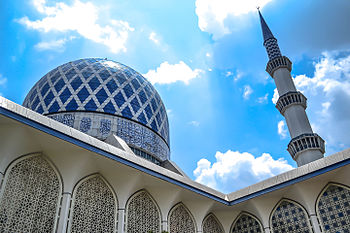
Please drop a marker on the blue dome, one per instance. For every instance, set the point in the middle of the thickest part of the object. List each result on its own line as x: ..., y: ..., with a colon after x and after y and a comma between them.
x: 100, y: 85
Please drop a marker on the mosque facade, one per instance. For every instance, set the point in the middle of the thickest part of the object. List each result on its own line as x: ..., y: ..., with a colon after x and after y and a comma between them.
x: 89, y: 151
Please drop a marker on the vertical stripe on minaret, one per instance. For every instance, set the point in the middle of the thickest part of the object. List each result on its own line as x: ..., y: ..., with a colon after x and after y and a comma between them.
x: 305, y: 146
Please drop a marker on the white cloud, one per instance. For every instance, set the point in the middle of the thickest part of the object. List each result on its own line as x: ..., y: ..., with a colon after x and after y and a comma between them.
x: 3, y: 80
x: 194, y: 123
x: 247, y: 92
x: 263, y: 99
x: 167, y: 73
x: 238, y: 76
x: 153, y: 37
x: 53, y: 44
x: 212, y: 15
x: 81, y: 18
x: 275, y: 96
x: 328, y: 93
x: 234, y: 170
x: 229, y: 73
x: 281, y: 129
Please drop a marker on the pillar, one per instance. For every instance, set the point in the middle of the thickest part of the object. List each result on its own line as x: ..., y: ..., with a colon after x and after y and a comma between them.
x: 64, y: 212
x: 121, y: 222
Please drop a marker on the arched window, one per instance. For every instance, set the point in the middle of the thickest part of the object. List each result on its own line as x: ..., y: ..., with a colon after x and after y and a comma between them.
x: 288, y: 216
x: 142, y: 214
x: 30, y: 196
x: 333, y: 208
x: 94, y: 207
x: 212, y: 225
x: 180, y: 220
x: 246, y: 223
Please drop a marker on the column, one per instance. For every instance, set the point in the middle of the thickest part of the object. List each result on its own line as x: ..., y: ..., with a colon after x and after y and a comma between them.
x: 267, y: 230
x: 121, y: 216
x: 64, y: 212
x: 315, y: 224
x: 164, y: 225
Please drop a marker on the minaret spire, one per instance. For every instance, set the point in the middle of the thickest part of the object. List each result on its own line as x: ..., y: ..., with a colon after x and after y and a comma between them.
x: 265, y: 29
x: 305, y: 145
x: 270, y: 42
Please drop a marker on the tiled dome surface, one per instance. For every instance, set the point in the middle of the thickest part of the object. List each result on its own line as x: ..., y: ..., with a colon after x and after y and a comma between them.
x: 100, y: 85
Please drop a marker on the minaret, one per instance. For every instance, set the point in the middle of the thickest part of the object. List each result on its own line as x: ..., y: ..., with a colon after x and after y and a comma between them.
x: 305, y: 145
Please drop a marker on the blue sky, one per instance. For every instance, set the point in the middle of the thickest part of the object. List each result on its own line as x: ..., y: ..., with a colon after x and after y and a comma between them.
x: 207, y: 61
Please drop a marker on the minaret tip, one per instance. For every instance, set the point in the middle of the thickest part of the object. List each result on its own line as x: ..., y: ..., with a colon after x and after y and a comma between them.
x: 265, y: 29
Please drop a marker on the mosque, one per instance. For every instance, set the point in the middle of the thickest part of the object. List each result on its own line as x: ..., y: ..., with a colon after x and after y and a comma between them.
x: 89, y: 151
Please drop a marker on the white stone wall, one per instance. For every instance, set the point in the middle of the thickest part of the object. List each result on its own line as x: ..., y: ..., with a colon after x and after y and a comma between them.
x: 74, y: 166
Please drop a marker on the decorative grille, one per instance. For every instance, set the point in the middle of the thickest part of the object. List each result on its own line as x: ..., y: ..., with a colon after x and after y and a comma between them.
x: 246, y: 223
x: 30, y: 197
x: 334, y: 209
x: 211, y: 225
x: 181, y: 221
x: 94, y: 207
x: 289, y: 217
x: 142, y: 214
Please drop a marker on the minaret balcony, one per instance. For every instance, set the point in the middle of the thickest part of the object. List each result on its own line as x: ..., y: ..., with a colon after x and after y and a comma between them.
x: 279, y: 62
x: 305, y: 142
x: 289, y: 99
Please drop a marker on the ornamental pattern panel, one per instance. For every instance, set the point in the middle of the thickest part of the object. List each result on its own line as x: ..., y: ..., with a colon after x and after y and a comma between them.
x: 334, y: 209
x: 273, y: 51
x: 94, y: 207
x: 246, y: 223
x: 142, y: 214
x: 100, y: 125
x: 30, y: 197
x: 289, y: 217
x: 181, y: 221
x: 100, y: 85
x: 211, y: 225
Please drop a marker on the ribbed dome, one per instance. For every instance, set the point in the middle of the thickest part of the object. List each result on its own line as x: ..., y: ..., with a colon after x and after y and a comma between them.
x: 99, y: 85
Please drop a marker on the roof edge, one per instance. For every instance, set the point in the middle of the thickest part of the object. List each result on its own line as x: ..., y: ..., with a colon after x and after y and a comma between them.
x: 28, y: 117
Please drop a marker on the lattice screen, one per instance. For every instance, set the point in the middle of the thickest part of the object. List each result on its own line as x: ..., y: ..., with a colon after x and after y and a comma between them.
x: 180, y: 221
x: 334, y: 209
x: 289, y: 217
x: 211, y: 225
x: 94, y: 207
x: 246, y: 223
x: 142, y: 214
x: 30, y: 197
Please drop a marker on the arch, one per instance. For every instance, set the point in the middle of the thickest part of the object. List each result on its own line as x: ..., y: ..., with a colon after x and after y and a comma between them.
x: 246, y: 222
x: 211, y: 224
x: 181, y: 220
x: 30, y: 195
x: 333, y: 208
x: 94, y: 206
x: 289, y: 216
x: 142, y: 213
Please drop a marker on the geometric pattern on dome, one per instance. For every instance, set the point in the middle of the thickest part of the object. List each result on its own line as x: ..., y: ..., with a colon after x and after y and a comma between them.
x: 333, y: 209
x: 289, y: 217
x: 180, y: 220
x: 30, y: 197
x: 142, y: 214
x: 212, y: 225
x: 94, y: 207
x: 100, y: 85
x: 246, y: 223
